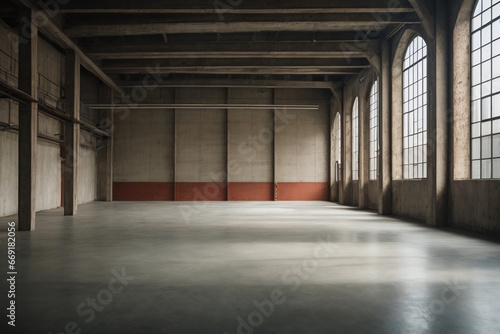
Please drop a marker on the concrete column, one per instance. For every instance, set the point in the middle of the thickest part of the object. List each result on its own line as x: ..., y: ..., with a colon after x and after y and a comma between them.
x: 275, y: 178
x: 71, y: 133
x: 364, y: 151
x: 109, y: 156
x: 438, y: 121
x: 175, y: 147
x: 28, y: 127
x: 385, y: 147
x: 228, y: 167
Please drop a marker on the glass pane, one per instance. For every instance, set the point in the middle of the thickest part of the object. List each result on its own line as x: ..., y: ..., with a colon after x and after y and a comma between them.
x: 496, y: 67
x: 486, y: 169
x: 486, y: 128
x: 496, y: 14
x: 476, y: 130
x: 496, y: 146
x: 495, y: 49
x: 486, y: 108
x: 476, y: 111
x: 486, y: 147
x: 476, y: 169
x: 486, y: 71
x: 496, y: 126
x: 486, y: 34
x: 486, y: 52
x: 495, y: 86
x: 496, y: 169
x: 476, y: 149
x: 496, y: 106
x: 486, y: 88
x: 476, y: 23
x: 476, y: 75
x: 476, y: 40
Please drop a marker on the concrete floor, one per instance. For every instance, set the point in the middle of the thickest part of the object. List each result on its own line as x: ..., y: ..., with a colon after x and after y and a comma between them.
x: 315, y: 267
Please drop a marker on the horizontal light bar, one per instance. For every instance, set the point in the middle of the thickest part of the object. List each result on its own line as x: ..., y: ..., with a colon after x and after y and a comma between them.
x: 202, y: 106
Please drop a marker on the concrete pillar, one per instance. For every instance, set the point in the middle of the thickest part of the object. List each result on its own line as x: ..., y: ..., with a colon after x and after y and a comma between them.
x: 28, y: 127
x: 438, y: 121
x: 275, y: 178
x: 364, y: 151
x: 385, y: 147
x: 71, y: 133
x: 105, y: 154
x: 109, y: 156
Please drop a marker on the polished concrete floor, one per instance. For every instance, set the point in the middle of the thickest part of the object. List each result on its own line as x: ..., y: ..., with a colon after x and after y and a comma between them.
x: 253, y: 267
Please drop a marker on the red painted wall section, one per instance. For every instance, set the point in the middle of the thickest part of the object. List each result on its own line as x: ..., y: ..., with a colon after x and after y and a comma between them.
x: 303, y: 191
x: 200, y: 191
x: 250, y: 191
x: 216, y: 191
x: 143, y: 191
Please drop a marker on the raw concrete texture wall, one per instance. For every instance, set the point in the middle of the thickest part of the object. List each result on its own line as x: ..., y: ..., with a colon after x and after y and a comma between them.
x: 251, y: 146
x: 409, y: 198
x: 303, y: 146
x: 207, y: 141
x: 8, y: 172
x: 474, y: 205
x: 48, y: 161
x: 87, y: 175
x: 373, y: 194
x: 48, y: 166
x: 200, y: 145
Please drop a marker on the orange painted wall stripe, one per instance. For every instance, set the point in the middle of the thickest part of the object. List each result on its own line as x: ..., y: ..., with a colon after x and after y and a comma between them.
x: 303, y: 191
x: 250, y: 191
x: 216, y: 191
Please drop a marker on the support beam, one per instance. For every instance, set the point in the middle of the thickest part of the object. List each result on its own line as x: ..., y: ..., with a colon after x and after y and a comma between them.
x: 52, y: 31
x: 247, y: 7
x: 426, y: 15
x: 278, y: 70
x: 385, y: 128
x: 71, y: 133
x: 28, y: 127
x: 336, y: 22
x: 201, y: 83
x: 344, y: 50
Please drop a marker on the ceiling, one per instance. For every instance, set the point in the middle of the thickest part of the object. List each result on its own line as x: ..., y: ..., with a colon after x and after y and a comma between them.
x: 237, y: 40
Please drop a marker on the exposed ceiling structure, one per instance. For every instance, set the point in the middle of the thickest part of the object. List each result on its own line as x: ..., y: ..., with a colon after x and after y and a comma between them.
x: 222, y: 41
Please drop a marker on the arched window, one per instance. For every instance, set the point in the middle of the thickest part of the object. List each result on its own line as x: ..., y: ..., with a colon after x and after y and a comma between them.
x: 339, y: 139
x: 415, y: 110
x: 374, y: 131
x: 485, y: 95
x: 355, y: 140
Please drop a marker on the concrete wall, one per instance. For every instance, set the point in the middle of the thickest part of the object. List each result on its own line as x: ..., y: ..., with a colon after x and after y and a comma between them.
x: 48, y: 158
x: 223, y: 154
x: 251, y: 146
x: 303, y: 146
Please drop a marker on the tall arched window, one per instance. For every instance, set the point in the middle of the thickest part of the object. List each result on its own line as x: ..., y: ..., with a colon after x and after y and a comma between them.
x: 355, y: 140
x: 415, y: 110
x: 485, y: 95
x: 374, y: 131
x: 339, y: 139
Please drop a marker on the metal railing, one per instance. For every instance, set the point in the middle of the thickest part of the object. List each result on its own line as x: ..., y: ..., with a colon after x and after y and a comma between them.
x: 9, y: 69
x: 49, y: 92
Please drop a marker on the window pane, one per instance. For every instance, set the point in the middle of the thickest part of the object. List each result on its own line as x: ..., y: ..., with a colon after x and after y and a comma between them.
x: 496, y: 126
x: 476, y: 111
x: 476, y: 169
x: 476, y: 130
x: 496, y: 67
x: 486, y: 169
x: 496, y: 146
x: 496, y: 106
x: 476, y: 149
x: 486, y: 128
x: 496, y: 169
x: 486, y: 108
x: 486, y: 147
